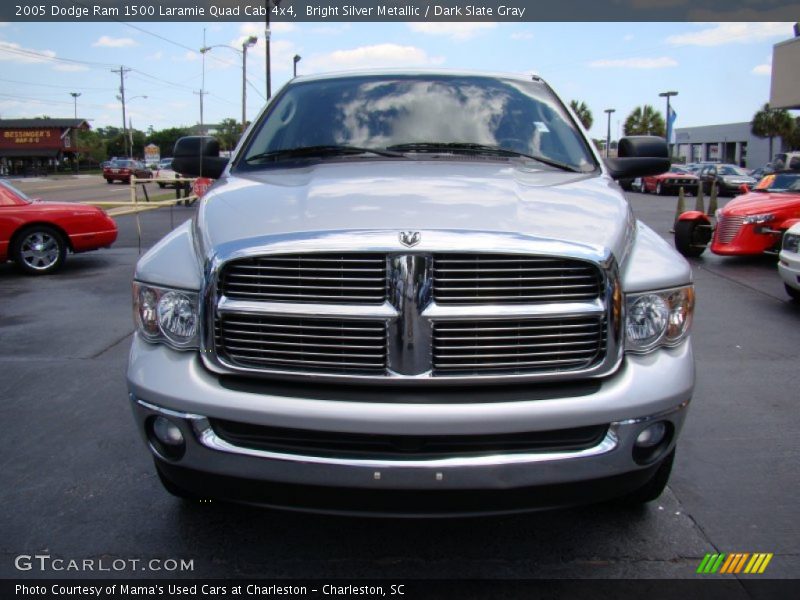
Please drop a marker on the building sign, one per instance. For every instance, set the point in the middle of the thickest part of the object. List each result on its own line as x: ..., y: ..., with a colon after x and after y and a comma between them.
x: 30, y: 138
x: 152, y: 154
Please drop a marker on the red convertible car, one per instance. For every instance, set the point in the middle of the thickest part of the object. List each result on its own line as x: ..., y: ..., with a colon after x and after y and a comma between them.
x: 36, y: 235
x: 671, y: 181
x: 753, y: 223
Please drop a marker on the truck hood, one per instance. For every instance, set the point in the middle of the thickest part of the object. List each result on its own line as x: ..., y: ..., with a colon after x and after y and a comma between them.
x: 467, y: 195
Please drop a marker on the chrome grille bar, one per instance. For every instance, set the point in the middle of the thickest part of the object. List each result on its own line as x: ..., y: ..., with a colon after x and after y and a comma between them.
x: 473, y: 279
x: 330, y: 278
x: 305, y: 343
x: 560, y: 344
x: 728, y: 228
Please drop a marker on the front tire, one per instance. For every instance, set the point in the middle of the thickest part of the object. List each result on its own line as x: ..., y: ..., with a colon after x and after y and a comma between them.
x: 659, y: 191
x: 688, y: 240
x: 39, y: 250
x: 655, y: 487
x: 793, y: 293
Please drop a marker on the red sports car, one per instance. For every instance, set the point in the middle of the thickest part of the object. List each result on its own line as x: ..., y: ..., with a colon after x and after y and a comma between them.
x: 753, y: 223
x: 671, y: 181
x: 36, y: 235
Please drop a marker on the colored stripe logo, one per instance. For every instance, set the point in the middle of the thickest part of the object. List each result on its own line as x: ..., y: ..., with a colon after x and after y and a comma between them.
x: 735, y: 563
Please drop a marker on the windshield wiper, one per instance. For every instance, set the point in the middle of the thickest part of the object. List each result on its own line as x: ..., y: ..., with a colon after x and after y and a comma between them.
x: 322, y: 150
x: 478, y: 149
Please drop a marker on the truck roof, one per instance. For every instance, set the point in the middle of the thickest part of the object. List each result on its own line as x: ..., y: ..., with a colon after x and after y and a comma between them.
x: 531, y: 76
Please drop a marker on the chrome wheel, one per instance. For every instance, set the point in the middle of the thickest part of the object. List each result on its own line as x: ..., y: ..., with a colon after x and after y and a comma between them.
x: 40, y: 250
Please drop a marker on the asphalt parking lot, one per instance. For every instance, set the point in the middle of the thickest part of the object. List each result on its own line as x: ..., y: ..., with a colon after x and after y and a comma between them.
x: 77, y: 482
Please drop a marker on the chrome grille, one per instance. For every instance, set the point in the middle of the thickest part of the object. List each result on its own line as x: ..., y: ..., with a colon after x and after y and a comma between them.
x: 728, y: 228
x: 512, y: 279
x: 308, y: 344
x: 326, y: 278
x: 514, y: 308
x: 518, y: 346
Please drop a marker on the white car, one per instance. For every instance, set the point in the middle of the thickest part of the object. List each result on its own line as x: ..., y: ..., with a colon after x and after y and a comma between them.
x: 165, y: 172
x: 789, y: 261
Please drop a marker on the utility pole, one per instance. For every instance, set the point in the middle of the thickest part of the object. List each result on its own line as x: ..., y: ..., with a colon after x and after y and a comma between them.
x: 266, y: 44
x: 122, y: 71
x: 201, y: 93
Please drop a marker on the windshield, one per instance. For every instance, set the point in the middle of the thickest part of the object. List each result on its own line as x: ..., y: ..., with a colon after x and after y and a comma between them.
x: 16, y: 191
x: 396, y: 117
x: 781, y: 182
x: 730, y: 170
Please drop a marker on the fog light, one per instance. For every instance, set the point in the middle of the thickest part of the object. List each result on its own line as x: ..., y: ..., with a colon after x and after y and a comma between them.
x: 167, y: 432
x: 652, y: 435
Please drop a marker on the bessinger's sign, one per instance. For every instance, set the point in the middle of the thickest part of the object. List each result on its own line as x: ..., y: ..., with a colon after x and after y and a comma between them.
x: 31, y: 138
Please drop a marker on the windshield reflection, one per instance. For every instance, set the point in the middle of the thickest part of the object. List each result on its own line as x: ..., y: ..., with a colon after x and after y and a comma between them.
x: 379, y: 112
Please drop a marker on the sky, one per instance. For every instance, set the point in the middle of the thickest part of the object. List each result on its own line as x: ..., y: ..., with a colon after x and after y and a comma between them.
x: 720, y: 70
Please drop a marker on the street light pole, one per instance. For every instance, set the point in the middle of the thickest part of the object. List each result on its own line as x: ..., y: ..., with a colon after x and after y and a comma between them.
x: 297, y: 58
x: 75, y: 98
x: 668, y: 95
x: 608, y: 111
x: 251, y: 41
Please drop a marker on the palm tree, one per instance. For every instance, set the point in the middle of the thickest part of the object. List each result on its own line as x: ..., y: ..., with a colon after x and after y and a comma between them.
x: 583, y: 113
x: 771, y: 123
x: 645, y: 120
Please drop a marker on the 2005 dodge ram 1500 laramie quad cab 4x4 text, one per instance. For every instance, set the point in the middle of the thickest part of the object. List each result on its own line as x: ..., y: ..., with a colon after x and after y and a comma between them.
x: 413, y: 293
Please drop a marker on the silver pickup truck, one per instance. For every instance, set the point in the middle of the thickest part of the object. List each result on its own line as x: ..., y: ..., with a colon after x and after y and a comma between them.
x: 416, y: 292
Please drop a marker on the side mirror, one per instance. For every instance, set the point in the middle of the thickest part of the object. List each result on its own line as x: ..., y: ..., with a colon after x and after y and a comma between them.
x: 638, y: 156
x: 198, y: 156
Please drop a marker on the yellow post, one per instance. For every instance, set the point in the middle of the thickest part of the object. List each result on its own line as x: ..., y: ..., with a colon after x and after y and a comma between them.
x: 712, y: 201
x: 681, y: 208
x: 699, y: 203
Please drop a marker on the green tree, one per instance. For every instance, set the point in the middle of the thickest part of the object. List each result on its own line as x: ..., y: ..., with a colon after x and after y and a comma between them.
x: 793, y: 141
x: 165, y: 139
x: 228, y: 133
x: 92, y: 146
x: 645, y: 120
x: 583, y: 113
x: 771, y: 123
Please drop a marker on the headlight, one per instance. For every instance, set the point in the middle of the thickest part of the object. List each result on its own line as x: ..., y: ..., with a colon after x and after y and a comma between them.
x: 661, y: 318
x: 791, y: 243
x: 758, y: 219
x: 166, y: 315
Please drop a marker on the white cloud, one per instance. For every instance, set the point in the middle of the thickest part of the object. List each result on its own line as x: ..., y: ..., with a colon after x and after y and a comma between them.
x: 719, y: 34
x: 70, y: 68
x: 521, y: 35
x: 663, y: 62
x: 455, y: 31
x: 765, y: 69
x: 379, y: 55
x: 12, y: 52
x: 628, y: 37
x: 156, y: 56
x: 106, y: 41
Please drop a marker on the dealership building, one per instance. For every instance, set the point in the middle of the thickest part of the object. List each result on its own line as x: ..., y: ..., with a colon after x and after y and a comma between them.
x: 728, y: 143
x: 36, y: 146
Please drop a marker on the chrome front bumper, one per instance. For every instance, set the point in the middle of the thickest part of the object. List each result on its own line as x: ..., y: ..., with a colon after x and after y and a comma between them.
x: 646, y: 388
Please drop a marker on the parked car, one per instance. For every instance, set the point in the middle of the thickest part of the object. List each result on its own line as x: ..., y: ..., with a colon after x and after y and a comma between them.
x: 729, y: 179
x: 761, y: 172
x: 121, y: 170
x: 670, y: 182
x: 165, y: 171
x: 753, y: 223
x: 789, y: 261
x: 421, y: 294
x: 695, y: 167
x: 787, y: 160
x: 37, y: 235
